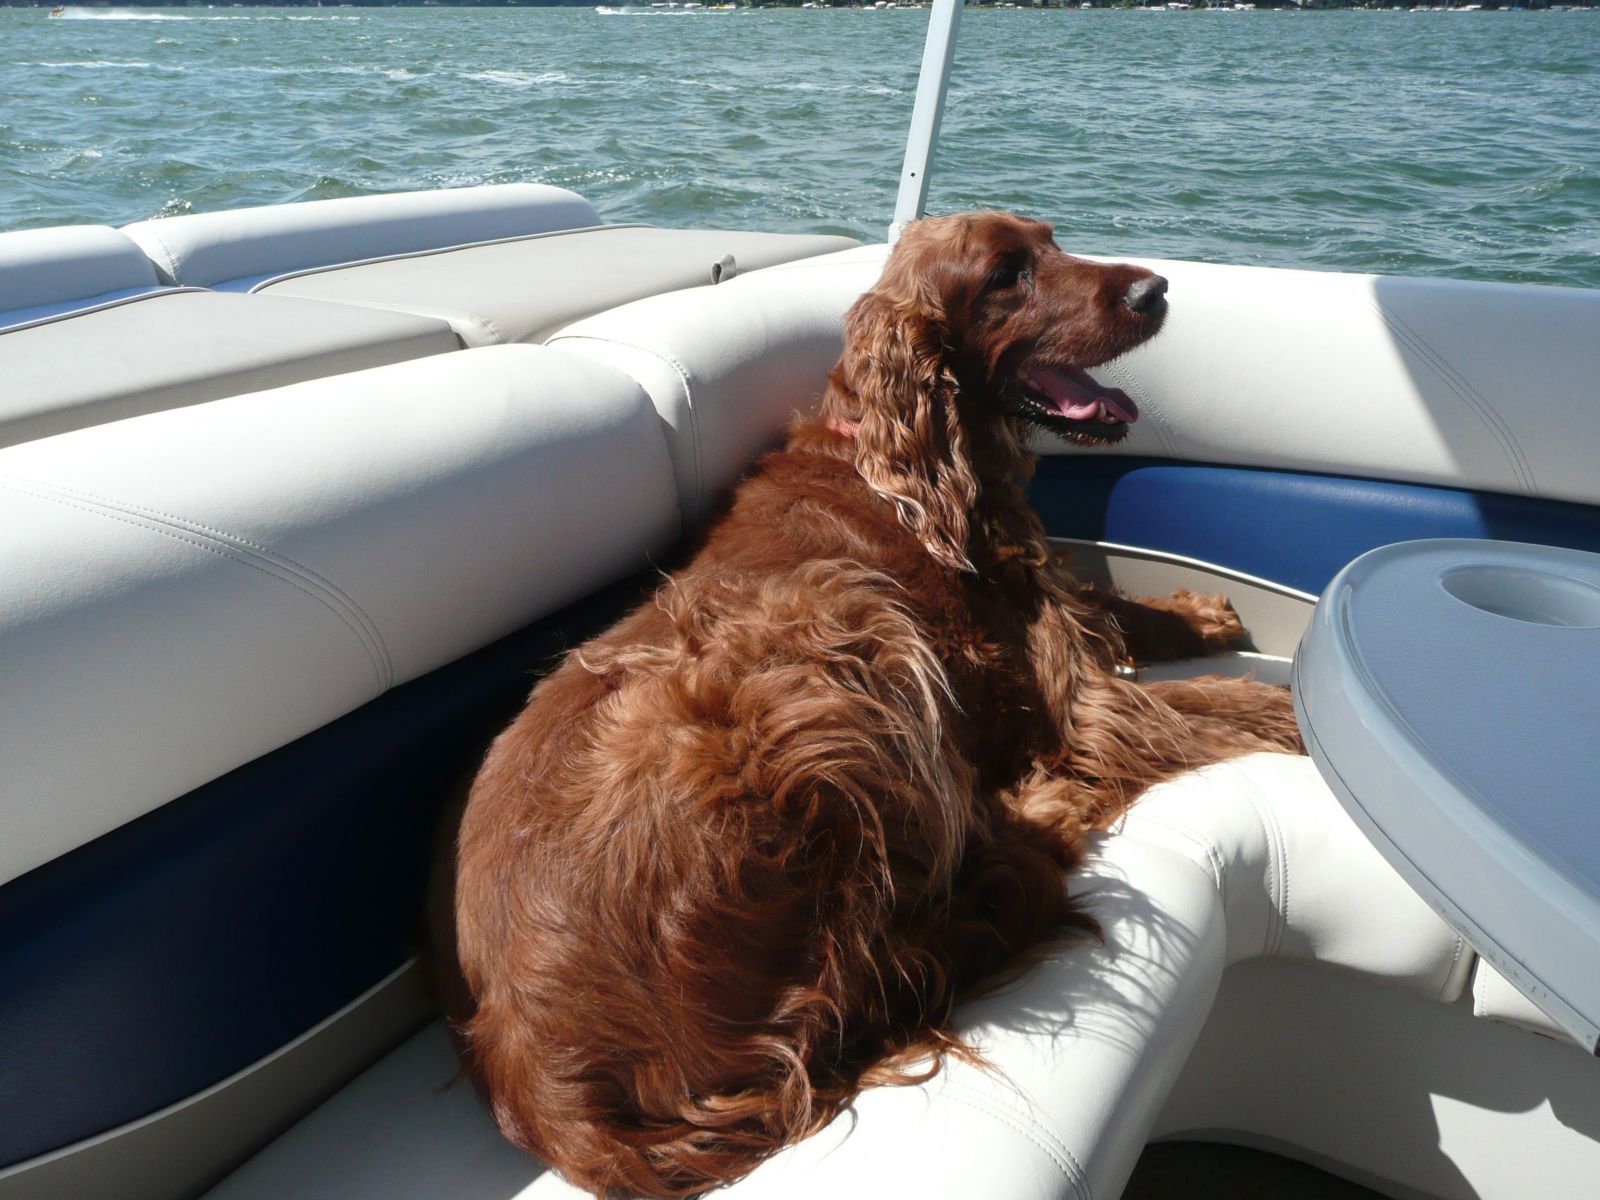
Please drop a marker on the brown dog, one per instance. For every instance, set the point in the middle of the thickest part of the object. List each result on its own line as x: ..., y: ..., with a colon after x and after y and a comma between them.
x: 744, y: 852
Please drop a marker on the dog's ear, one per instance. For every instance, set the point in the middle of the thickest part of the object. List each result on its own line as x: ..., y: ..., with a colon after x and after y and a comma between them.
x: 910, y: 447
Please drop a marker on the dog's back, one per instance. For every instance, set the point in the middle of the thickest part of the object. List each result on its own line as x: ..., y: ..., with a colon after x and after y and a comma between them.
x: 742, y: 854
x: 704, y: 850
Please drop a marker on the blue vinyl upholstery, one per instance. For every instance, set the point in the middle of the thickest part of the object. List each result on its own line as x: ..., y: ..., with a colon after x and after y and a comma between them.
x: 175, y: 950
x: 1295, y: 529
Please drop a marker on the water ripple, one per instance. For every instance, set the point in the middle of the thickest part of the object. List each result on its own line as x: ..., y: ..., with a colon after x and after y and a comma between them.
x: 1466, y: 145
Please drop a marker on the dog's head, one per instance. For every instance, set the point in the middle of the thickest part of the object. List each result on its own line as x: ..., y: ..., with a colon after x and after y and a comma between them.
x: 979, y: 328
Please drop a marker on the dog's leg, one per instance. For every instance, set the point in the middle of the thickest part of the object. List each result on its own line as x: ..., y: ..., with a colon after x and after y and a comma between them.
x: 1162, y: 629
x: 1118, y: 738
x: 1007, y: 896
x: 1243, y: 706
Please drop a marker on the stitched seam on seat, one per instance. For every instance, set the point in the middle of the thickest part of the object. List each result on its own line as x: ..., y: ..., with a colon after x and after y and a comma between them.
x: 1146, y: 408
x: 688, y: 395
x: 1277, y: 848
x: 1464, y: 390
x: 166, y: 251
x: 283, y: 562
x: 221, y: 549
x: 1024, y: 1123
x: 1455, y: 959
x: 449, y: 317
x: 158, y: 292
x: 211, y: 546
x: 1204, y: 844
x: 194, y: 526
x: 428, y: 252
x: 496, y: 338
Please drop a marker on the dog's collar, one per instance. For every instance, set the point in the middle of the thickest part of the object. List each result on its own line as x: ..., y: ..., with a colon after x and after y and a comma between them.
x: 845, y: 429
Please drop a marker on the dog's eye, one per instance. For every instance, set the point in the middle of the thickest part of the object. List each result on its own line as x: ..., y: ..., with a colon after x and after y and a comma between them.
x: 1008, y: 275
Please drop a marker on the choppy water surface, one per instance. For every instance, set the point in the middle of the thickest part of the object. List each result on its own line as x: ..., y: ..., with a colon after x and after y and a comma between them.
x: 1463, y: 144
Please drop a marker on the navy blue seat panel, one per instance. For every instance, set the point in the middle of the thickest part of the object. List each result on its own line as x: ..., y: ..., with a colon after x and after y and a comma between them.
x: 1290, y: 527
x: 176, y: 950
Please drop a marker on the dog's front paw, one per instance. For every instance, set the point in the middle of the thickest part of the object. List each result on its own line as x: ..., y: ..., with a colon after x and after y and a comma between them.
x: 1213, y: 620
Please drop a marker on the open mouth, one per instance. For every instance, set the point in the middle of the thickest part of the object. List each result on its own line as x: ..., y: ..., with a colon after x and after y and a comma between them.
x: 1067, y: 402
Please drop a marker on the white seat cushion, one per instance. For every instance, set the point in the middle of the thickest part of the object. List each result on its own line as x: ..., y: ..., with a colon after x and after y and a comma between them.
x: 44, y: 272
x: 1440, y: 381
x: 1086, y: 1047
x: 1497, y: 999
x: 1246, y: 859
x: 185, y: 591
x: 728, y: 367
x: 177, y: 346
x: 1297, y: 877
x: 522, y: 289
x: 408, y: 1127
x: 233, y: 250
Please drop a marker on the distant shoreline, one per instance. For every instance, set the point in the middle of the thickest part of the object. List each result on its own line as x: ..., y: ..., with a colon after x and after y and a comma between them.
x: 1069, y: 5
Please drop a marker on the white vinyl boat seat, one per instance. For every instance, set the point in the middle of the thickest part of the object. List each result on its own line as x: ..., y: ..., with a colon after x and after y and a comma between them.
x: 172, y: 347
x: 1249, y: 859
x: 47, y: 272
x: 522, y: 289
x: 254, y: 643
x: 1463, y: 384
x: 97, y: 325
x: 728, y: 367
x: 500, y: 263
x: 266, y: 563
x: 235, y: 250
x: 209, y: 616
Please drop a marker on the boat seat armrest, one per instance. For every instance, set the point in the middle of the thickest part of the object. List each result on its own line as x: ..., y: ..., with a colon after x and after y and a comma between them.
x: 1297, y: 878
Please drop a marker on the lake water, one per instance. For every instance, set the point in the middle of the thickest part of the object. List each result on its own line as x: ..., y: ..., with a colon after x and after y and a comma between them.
x: 1464, y: 144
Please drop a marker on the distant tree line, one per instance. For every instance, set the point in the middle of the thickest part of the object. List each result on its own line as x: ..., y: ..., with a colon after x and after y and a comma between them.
x: 1514, y: 4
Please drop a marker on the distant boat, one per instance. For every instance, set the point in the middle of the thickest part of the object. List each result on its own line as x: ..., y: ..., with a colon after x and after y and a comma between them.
x: 58, y: 10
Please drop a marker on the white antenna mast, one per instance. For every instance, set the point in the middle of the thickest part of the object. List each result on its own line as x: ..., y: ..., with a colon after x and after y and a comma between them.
x: 937, y: 54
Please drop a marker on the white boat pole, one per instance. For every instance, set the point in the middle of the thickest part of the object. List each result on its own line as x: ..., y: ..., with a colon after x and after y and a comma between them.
x: 937, y: 53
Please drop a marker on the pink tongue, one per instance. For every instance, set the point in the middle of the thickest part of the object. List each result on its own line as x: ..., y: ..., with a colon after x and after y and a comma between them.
x: 1078, y: 397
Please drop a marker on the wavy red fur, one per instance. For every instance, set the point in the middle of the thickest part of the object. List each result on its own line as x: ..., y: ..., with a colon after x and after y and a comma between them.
x: 743, y: 854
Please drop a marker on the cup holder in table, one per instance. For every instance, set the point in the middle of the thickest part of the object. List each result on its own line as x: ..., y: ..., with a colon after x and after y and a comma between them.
x: 1526, y: 594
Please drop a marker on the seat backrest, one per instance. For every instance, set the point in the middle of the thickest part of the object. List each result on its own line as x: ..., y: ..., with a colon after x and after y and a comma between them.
x: 44, y: 272
x: 728, y: 367
x: 237, y: 249
x: 523, y: 289
x: 1488, y: 386
x: 185, y: 591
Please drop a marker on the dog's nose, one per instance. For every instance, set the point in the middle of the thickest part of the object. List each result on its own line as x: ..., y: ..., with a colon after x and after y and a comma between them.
x: 1145, y: 296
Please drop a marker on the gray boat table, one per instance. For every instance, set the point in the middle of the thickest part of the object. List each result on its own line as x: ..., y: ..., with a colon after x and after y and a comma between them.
x: 1449, y: 692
